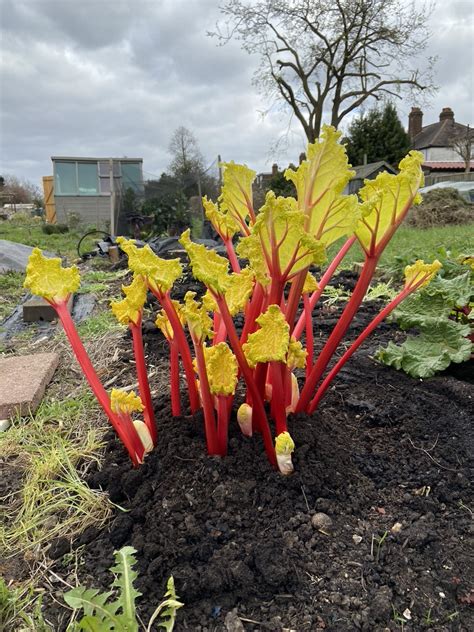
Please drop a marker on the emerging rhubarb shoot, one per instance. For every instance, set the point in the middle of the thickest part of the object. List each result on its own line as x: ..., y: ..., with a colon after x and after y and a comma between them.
x: 284, y: 448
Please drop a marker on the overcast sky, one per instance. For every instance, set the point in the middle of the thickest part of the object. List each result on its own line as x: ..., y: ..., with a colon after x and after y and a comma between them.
x: 117, y: 77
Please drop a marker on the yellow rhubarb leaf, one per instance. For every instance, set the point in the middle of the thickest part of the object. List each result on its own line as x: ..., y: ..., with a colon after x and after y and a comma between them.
x: 125, y: 403
x: 250, y: 248
x: 296, y: 358
x: 130, y: 308
x: 223, y: 223
x: 238, y: 292
x: 269, y: 343
x: 310, y: 284
x: 197, y: 318
x: 285, y: 243
x: 160, y: 274
x: 236, y: 197
x: 320, y: 181
x: 221, y: 368
x: 207, y: 265
x: 47, y: 278
x: 421, y: 273
x: 388, y: 199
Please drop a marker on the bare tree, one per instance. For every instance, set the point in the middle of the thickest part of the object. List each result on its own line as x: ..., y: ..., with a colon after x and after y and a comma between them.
x: 20, y: 191
x: 330, y: 56
x: 187, y: 159
x: 462, y: 144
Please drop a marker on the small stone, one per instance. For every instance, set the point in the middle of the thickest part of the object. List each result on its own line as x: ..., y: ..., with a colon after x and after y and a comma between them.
x: 357, y: 538
x: 4, y: 424
x: 321, y: 521
x: 397, y: 527
x: 407, y: 614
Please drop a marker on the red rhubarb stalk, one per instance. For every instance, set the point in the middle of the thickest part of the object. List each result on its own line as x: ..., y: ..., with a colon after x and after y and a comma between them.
x: 327, y: 276
x: 127, y: 436
x: 207, y: 401
x: 184, y: 351
x: 174, y: 371
x: 337, y: 333
x: 143, y: 385
x: 223, y: 414
x: 309, y: 334
x: 234, y: 262
x: 278, y: 404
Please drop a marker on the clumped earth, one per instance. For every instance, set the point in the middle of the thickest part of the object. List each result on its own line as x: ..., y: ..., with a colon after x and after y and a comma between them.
x: 386, y: 460
x: 441, y: 207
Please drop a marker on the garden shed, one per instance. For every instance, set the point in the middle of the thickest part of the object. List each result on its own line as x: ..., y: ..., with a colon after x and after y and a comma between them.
x: 94, y: 188
x: 367, y: 172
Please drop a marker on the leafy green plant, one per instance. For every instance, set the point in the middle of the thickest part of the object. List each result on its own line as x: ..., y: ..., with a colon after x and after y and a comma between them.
x: 103, y: 613
x: 442, y: 316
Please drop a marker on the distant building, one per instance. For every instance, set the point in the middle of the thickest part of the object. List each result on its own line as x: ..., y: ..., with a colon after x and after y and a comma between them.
x: 435, y: 141
x: 94, y: 188
x: 367, y: 172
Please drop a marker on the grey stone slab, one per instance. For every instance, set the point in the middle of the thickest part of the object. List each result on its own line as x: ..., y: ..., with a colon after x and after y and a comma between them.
x: 15, y: 256
x: 36, y: 309
x: 23, y: 381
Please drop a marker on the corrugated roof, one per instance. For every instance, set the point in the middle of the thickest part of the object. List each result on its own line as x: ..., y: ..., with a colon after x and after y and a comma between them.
x: 446, y: 165
x: 438, y: 134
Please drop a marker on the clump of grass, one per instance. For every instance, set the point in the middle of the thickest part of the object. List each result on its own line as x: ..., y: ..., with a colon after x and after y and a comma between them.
x: 11, y: 290
x: 98, y: 325
x: 52, y: 450
x: 21, y: 610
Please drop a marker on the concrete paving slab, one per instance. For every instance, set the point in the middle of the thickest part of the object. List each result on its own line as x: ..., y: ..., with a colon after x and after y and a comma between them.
x: 37, y: 309
x: 23, y: 381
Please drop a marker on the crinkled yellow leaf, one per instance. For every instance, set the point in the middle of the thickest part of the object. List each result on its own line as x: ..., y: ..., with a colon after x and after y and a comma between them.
x: 421, y: 271
x: 320, y: 181
x: 126, y: 403
x: 280, y: 228
x: 284, y: 444
x: 270, y: 343
x: 236, y: 197
x: 47, y: 278
x: 250, y: 248
x: 296, y: 358
x: 221, y: 369
x: 129, y: 309
x: 390, y: 197
x: 223, y: 223
x: 207, y: 265
x: 310, y: 284
x: 237, y: 294
x: 160, y: 273
x: 197, y: 318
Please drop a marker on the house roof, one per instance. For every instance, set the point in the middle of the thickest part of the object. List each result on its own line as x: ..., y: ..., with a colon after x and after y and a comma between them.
x: 438, y: 134
x: 446, y: 165
x: 364, y: 171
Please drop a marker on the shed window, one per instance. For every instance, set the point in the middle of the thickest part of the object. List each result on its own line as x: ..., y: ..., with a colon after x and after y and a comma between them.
x: 87, y: 178
x: 132, y: 176
x: 65, y: 178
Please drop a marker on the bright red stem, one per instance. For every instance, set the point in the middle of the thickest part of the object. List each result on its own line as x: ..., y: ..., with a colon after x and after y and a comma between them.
x: 294, y: 298
x: 322, y: 284
x: 337, y: 333
x: 127, y: 438
x: 223, y: 414
x: 309, y: 335
x: 234, y: 262
x: 207, y: 401
x: 253, y: 310
x: 257, y: 403
x: 355, y: 345
x: 174, y: 373
x: 278, y: 405
x: 142, y: 375
x: 184, y: 351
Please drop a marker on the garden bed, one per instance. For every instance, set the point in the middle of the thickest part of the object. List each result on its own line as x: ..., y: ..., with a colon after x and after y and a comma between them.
x: 385, y: 457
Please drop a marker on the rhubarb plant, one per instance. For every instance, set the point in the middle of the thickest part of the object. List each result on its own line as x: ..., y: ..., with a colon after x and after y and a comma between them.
x: 266, y: 277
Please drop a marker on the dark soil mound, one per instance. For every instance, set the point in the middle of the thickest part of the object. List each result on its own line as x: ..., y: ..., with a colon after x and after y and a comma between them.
x: 386, y: 458
x: 441, y: 207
